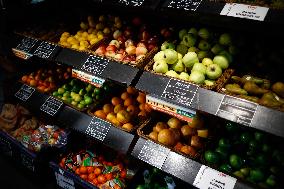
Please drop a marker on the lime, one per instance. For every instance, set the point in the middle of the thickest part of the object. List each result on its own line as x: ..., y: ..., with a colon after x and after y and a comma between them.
x: 74, y: 103
x: 223, y: 152
x: 55, y: 93
x: 81, y: 106
x: 245, y: 171
x: 259, y: 136
x: 98, y: 97
x: 266, y: 148
x: 211, y: 157
x: 88, y: 100
x: 253, y: 144
x: 82, y: 92
x: 67, y: 94
x: 61, y: 91
x: 76, y: 89
x: 256, y: 175
x: 245, y: 137
x: 271, y: 180
x: 226, y: 168
x: 261, y: 160
x: 89, y: 88
x: 66, y: 87
x: 140, y: 187
x: 69, y: 100
x: 73, y: 82
x: 231, y: 127
x: 235, y: 161
x: 64, y: 98
x: 97, y: 91
x: 106, y: 88
x: 224, y: 143
x: 239, y: 174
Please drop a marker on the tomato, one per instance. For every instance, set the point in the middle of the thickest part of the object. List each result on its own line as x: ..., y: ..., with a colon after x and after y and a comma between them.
x: 61, y: 164
x: 84, y: 176
x: 83, y: 170
x: 123, y: 173
x: 97, y: 171
x: 101, y: 179
x: 90, y: 169
x: 108, y: 176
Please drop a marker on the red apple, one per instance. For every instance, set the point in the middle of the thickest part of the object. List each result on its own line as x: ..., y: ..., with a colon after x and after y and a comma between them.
x: 110, y: 54
x: 151, y: 46
x: 136, y: 21
x: 128, y: 43
x: 145, y: 35
x: 121, y: 40
x: 141, y: 44
x: 163, y: 31
x: 153, y: 40
x: 115, y: 43
x: 101, y: 51
x: 129, y: 58
x: 131, y: 50
x: 121, y: 51
x: 116, y: 34
x: 168, y: 34
x: 119, y: 57
x: 141, y: 51
x: 111, y: 48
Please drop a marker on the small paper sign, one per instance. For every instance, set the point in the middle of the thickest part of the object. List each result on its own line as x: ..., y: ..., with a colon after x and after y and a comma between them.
x: 245, y: 11
x: 93, y: 80
x: 212, y: 179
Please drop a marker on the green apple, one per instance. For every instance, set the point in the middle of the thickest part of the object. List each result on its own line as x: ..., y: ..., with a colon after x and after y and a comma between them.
x: 188, y: 40
x: 184, y: 76
x: 227, y: 55
x: 180, y: 56
x: 225, y: 39
x: 77, y: 98
x: 222, y: 61
x: 193, y: 31
x: 213, y: 71
x: 190, y: 59
x: 167, y: 45
x: 203, y: 33
x: 171, y: 56
x: 193, y: 49
x: 182, y: 49
x: 182, y: 33
x: 199, y: 67
x: 60, y: 91
x: 202, y: 54
x: 172, y: 73
x: 178, y: 66
x: 216, y: 49
x: 207, y: 61
x: 204, y: 45
x: 159, y: 56
x: 197, y: 77
x: 160, y: 66
x: 209, y: 82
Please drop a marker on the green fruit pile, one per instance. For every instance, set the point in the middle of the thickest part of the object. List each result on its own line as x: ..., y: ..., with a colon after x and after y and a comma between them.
x: 80, y: 94
x: 248, y: 155
x: 200, y: 56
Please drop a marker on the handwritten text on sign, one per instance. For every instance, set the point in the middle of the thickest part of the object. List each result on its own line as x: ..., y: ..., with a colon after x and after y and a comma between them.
x: 64, y: 182
x: 51, y: 106
x: 25, y: 92
x: 185, y: 4
x: 95, y: 65
x: 98, y: 128
x: 44, y: 50
x: 244, y: 11
x: 154, y: 154
x: 212, y: 179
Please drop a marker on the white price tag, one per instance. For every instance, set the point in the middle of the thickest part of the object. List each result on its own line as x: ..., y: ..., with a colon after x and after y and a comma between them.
x: 208, y: 178
x: 244, y: 11
x: 64, y: 182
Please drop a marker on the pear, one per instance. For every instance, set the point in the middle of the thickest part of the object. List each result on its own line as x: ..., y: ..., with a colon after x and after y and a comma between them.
x: 182, y: 49
x: 193, y: 49
x: 268, y: 99
x: 253, y: 89
x: 235, y: 89
x: 193, y: 31
x: 278, y: 88
x: 184, y: 76
x: 159, y: 56
x: 188, y: 40
x: 190, y: 59
x: 172, y: 73
x: 182, y: 33
x: 178, y: 66
x: 209, y: 82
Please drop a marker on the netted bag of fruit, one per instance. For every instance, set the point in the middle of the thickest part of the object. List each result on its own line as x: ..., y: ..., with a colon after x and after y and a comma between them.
x: 53, y: 135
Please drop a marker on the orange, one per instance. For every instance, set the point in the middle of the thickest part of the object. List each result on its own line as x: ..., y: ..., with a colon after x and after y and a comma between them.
x: 141, y: 98
x: 77, y: 171
x: 90, y: 169
x: 91, y: 177
x: 148, y: 108
x: 129, y: 101
x: 83, y: 170
x: 100, y: 113
x: 101, y: 179
x: 116, y: 100
x: 108, y: 108
x: 142, y: 113
x: 24, y: 78
x: 142, y: 107
x: 84, y: 176
x: 95, y: 181
x: 33, y: 83
x: 133, y: 110
x: 116, y: 186
x: 97, y: 171
x: 131, y: 90
x: 108, y: 176
x: 127, y: 126
x: 124, y: 96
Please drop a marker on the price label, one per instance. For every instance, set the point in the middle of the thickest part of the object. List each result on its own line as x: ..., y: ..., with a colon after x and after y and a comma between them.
x: 64, y: 182
x: 171, y: 109
x: 93, y: 80
x: 26, y: 44
x: 212, y: 179
x: 45, y: 50
x: 5, y: 146
x: 134, y: 3
x: 245, y: 11
x: 95, y: 65
x: 237, y: 110
x: 27, y: 161
x: 98, y: 128
x: 24, y: 93
x: 154, y: 154
x: 51, y: 106
x: 180, y: 92
x: 188, y: 5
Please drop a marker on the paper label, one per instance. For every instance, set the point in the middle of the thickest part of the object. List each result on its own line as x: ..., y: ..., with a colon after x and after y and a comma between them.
x: 93, y: 80
x: 208, y: 178
x: 21, y: 54
x: 244, y: 11
x: 64, y: 182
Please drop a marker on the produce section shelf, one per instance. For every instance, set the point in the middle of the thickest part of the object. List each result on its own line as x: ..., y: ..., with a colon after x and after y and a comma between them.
x: 181, y: 167
x: 231, y: 108
x: 97, y: 128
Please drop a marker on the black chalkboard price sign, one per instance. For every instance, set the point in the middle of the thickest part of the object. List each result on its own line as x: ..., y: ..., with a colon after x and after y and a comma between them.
x: 24, y: 48
x: 187, y: 5
x: 46, y: 50
x: 95, y: 65
x: 98, y: 129
x: 51, y: 106
x: 24, y: 93
x: 133, y: 3
x: 63, y: 181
